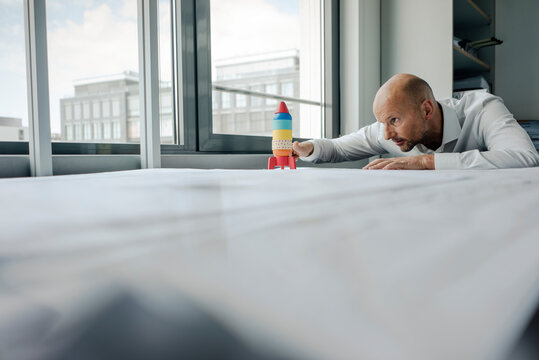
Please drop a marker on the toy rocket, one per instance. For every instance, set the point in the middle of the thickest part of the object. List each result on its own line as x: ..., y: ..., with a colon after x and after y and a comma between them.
x: 282, y: 139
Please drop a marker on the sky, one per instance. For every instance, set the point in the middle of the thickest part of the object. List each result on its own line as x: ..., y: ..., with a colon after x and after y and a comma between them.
x: 88, y: 38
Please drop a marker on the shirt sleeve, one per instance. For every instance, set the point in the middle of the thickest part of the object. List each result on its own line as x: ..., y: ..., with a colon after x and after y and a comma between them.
x: 356, y: 146
x: 507, y: 143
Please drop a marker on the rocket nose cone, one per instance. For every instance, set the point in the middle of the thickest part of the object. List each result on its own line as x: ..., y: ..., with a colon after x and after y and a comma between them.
x: 282, y: 108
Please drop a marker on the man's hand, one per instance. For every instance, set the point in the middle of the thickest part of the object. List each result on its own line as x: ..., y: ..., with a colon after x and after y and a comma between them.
x: 303, y: 149
x: 420, y: 162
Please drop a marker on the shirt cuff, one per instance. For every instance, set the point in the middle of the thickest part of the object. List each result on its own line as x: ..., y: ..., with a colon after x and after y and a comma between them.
x: 315, y: 155
x: 447, y: 161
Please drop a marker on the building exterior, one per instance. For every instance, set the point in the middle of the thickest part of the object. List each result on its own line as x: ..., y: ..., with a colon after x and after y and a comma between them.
x: 273, y: 73
x: 106, y: 108
x: 11, y: 129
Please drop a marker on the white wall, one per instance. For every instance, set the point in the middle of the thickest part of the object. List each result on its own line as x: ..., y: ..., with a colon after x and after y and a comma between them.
x: 416, y: 38
x: 359, y: 61
x: 516, y: 78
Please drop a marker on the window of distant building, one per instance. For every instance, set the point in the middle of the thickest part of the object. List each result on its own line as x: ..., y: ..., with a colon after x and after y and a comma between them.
x: 86, y: 110
x: 116, y: 130
x: 78, y: 132
x: 257, y: 100
x: 96, y: 110
x: 97, y: 131
x: 116, y: 108
x: 68, y: 111
x: 69, y: 133
x: 87, y: 131
x: 287, y: 89
x: 133, y: 129
x: 271, y: 89
x: 78, y: 113
x: 241, y: 101
x: 107, y: 131
x: 106, y: 109
x: 226, y: 100
x: 133, y: 106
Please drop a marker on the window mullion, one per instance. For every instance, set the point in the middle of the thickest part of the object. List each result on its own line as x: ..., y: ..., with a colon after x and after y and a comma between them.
x: 150, y: 139
x: 186, y: 72
x: 330, y: 68
x: 39, y: 135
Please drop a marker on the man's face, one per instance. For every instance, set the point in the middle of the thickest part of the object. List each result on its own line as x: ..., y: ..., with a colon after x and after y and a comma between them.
x: 405, y: 124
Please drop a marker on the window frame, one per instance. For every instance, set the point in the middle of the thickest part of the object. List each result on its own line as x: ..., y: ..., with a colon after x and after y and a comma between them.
x: 192, y: 91
x: 226, y: 143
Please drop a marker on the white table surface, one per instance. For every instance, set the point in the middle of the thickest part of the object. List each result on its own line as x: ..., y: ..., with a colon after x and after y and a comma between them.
x: 318, y: 263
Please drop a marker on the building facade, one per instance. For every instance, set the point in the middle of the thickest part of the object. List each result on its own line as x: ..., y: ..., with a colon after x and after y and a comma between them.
x: 245, y: 113
x: 11, y: 129
x: 106, y: 108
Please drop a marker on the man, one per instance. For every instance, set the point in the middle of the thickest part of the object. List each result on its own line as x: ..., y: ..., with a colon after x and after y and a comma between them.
x: 474, y: 132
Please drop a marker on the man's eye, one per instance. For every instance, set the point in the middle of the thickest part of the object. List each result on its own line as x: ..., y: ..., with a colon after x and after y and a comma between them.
x: 393, y: 121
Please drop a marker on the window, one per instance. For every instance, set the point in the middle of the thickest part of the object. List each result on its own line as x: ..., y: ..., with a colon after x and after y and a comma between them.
x: 96, y: 110
x: 257, y: 100
x: 106, y: 109
x: 107, y: 134
x: 133, y: 130
x: 77, y: 111
x: 13, y: 102
x: 92, y: 49
x: 223, y: 67
x: 133, y: 105
x: 287, y: 89
x: 85, y: 110
x: 271, y: 89
x: 78, y: 132
x: 116, y: 130
x: 241, y: 101
x: 226, y: 100
x: 68, y: 111
x: 97, y: 131
x: 252, y: 69
x: 87, y: 131
x: 116, y: 108
x: 69, y: 133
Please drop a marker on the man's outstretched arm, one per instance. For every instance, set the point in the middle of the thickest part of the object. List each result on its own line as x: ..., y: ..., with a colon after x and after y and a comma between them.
x: 356, y: 146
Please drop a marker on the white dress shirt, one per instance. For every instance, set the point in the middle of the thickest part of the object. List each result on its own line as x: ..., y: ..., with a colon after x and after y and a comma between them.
x: 479, y: 132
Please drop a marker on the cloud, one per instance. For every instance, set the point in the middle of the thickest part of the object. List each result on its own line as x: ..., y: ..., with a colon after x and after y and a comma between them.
x: 9, y: 2
x: 246, y: 27
x: 103, y: 43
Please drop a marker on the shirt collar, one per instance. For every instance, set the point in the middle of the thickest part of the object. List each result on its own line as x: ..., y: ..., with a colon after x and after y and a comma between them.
x: 451, y: 125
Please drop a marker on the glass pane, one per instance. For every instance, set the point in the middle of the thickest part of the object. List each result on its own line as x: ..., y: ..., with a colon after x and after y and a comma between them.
x: 166, y: 109
x: 93, y: 70
x: 266, y: 47
x: 13, y: 95
x: 256, y: 122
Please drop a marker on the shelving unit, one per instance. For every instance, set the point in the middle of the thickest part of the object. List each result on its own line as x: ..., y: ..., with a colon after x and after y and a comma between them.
x: 467, y: 13
x: 464, y: 62
x: 473, y: 20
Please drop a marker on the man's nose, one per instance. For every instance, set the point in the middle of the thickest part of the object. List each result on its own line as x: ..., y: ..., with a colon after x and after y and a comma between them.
x: 388, y: 133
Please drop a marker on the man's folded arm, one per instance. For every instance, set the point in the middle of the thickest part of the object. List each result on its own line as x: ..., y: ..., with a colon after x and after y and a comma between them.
x: 508, y: 144
x: 356, y: 146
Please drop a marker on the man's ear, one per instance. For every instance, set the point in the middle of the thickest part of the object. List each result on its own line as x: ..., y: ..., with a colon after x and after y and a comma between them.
x: 428, y: 108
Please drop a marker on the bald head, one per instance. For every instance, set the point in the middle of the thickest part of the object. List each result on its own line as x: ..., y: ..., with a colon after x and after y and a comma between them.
x: 404, y: 89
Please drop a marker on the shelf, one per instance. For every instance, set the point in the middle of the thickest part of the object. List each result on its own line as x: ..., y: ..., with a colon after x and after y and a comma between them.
x: 465, y: 62
x: 467, y: 14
